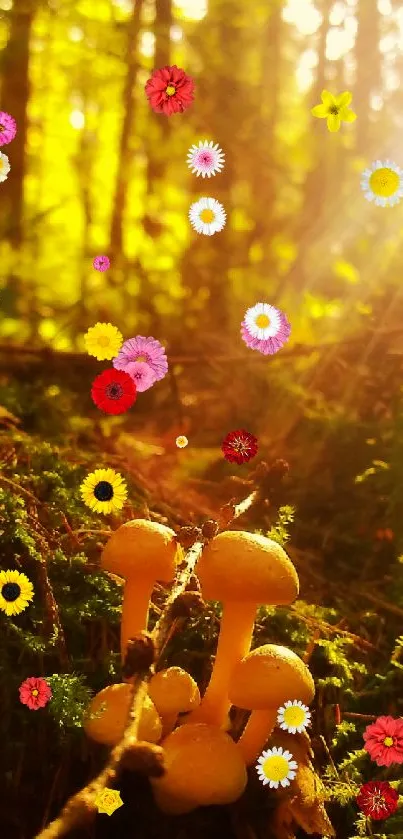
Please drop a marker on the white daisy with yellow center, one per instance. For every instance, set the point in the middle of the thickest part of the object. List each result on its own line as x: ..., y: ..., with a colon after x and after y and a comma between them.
x: 262, y: 321
x: 181, y: 441
x: 276, y: 767
x: 382, y: 183
x: 4, y: 167
x: 293, y: 716
x: 207, y: 216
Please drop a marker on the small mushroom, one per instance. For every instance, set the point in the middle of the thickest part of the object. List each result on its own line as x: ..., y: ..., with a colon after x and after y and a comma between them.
x: 142, y: 552
x: 265, y: 679
x: 108, y: 712
x: 243, y: 570
x: 173, y: 692
x: 202, y: 766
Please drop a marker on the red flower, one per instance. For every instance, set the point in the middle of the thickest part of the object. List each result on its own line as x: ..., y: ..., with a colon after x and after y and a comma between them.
x: 377, y: 799
x: 170, y: 90
x: 239, y: 446
x: 114, y: 391
x: 35, y: 692
x: 384, y: 741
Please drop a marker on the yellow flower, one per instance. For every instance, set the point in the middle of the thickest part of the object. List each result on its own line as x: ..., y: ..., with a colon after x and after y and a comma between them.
x: 103, y: 341
x: 108, y: 800
x: 335, y: 109
x: 181, y: 441
x: 15, y: 592
x: 104, y: 491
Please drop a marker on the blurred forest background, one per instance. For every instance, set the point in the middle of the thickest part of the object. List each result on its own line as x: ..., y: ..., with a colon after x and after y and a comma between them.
x: 95, y: 171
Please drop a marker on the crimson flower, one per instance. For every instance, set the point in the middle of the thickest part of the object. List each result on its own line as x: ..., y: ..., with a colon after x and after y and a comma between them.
x: 384, y: 741
x: 170, y: 90
x: 239, y: 446
x: 114, y: 391
x: 35, y: 692
x: 377, y: 799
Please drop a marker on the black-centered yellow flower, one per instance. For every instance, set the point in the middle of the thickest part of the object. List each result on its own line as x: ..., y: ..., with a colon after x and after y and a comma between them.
x: 104, y: 491
x: 16, y: 591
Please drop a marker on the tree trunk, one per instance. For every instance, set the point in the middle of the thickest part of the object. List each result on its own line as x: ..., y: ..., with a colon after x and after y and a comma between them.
x: 368, y: 68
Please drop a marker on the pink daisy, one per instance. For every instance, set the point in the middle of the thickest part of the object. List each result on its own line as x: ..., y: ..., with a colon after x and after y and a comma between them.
x: 101, y: 263
x: 265, y: 328
x: 35, y: 692
x: 8, y: 128
x: 142, y: 374
x: 384, y: 741
x: 147, y: 350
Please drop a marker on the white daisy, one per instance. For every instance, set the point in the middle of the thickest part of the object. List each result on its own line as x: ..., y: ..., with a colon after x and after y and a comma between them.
x: 4, y: 167
x: 293, y: 716
x: 262, y: 321
x: 276, y: 767
x: 382, y: 183
x: 205, y: 159
x: 207, y: 216
x: 181, y: 441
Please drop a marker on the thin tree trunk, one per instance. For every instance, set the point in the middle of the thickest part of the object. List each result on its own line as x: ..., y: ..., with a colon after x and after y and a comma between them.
x: 368, y: 67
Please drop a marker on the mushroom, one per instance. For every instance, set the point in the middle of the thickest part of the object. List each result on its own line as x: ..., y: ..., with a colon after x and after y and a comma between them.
x: 142, y: 552
x: 108, y: 712
x: 203, y: 766
x: 243, y: 570
x: 173, y: 692
x: 265, y: 679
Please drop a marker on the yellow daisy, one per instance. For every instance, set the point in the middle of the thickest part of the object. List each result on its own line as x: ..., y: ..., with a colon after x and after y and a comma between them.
x: 16, y: 591
x: 335, y: 109
x: 104, y: 491
x: 103, y: 341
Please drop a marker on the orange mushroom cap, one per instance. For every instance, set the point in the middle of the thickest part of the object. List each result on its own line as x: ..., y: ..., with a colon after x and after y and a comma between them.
x: 173, y: 691
x: 243, y: 570
x: 108, y: 712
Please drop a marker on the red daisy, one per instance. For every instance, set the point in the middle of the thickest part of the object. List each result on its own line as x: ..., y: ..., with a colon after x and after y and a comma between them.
x: 239, y: 446
x: 377, y: 799
x: 114, y: 391
x: 35, y: 692
x: 170, y: 90
x: 384, y: 741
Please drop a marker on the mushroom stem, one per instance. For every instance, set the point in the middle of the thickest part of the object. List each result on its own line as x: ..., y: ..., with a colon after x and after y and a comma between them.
x: 234, y: 642
x: 168, y: 723
x: 257, y: 731
x: 136, y: 602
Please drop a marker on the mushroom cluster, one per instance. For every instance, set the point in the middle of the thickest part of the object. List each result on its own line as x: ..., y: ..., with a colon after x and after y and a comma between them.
x: 203, y: 763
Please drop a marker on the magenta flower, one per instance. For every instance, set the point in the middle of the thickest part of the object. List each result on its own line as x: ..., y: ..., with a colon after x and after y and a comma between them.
x: 35, y: 692
x: 142, y: 374
x: 265, y: 328
x: 146, y: 350
x: 101, y: 263
x: 8, y: 128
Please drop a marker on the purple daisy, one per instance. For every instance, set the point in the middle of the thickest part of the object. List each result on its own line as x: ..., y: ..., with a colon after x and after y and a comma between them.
x: 142, y: 374
x: 8, y: 128
x: 265, y: 328
x: 101, y: 263
x: 146, y: 350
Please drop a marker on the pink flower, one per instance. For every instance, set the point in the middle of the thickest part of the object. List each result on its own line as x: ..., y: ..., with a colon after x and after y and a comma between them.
x: 265, y: 328
x: 101, y: 263
x: 35, y: 692
x: 147, y: 350
x: 142, y: 375
x: 8, y: 128
x: 384, y: 741
x: 170, y: 90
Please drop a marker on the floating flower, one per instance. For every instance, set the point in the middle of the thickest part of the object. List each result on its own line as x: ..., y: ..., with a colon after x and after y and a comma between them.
x: 207, y: 216
x: 101, y: 263
x: 35, y: 692
x: 265, y: 329
x: 16, y: 591
x: 170, y: 90
x: 239, y: 446
x: 103, y: 341
x: 276, y: 767
x: 8, y: 128
x: 181, y: 441
x: 205, y: 159
x: 293, y: 716
x: 147, y: 350
x: 377, y: 799
x: 4, y: 167
x: 384, y: 741
x: 104, y: 491
x: 114, y: 391
x: 142, y: 374
x: 335, y: 109
x: 382, y: 183
x: 108, y: 800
